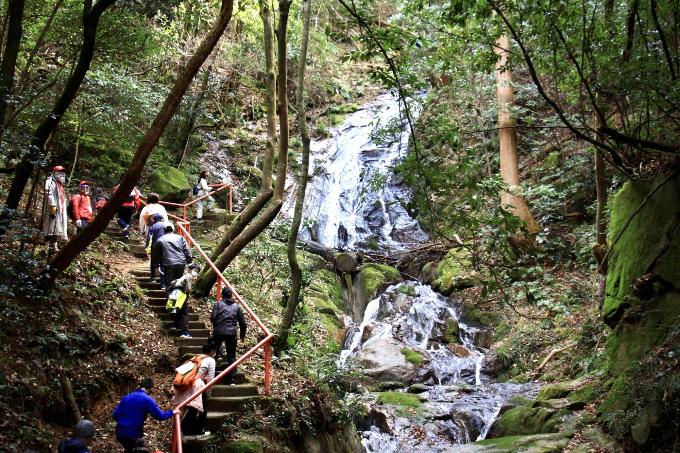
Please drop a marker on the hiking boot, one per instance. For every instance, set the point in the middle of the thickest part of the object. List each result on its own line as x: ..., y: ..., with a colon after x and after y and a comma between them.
x: 185, y: 335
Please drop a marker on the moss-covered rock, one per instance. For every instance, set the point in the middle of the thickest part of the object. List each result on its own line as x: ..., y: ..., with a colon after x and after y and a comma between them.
x: 525, y: 420
x: 454, y: 272
x: 552, y: 391
x: 538, y: 443
x: 451, y: 331
x: 170, y: 184
x: 412, y: 356
x: 324, y: 295
x: 377, y: 276
x: 407, y: 289
x: 399, y: 399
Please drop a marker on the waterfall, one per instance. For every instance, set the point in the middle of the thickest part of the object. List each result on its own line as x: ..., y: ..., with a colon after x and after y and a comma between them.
x: 356, y: 201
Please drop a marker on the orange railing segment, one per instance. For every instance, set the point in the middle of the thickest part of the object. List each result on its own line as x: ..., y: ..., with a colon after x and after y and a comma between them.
x: 184, y: 229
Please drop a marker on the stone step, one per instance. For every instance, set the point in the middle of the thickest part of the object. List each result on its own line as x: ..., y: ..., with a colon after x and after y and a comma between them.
x: 201, y: 332
x: 155, y: 293
x: 146, y: 284
x: 171, y: 317
x: 156, y: 302
x: 196, y: 443
x: 190, y: 349
x: 234, y: 390
x: 157, y: 309
x: 191, y: 324
x: 193, y: 341
x: 230, y: 404
x: 214, y: 420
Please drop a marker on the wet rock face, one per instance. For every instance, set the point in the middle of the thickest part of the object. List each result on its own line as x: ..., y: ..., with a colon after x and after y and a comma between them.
x: 382, y: 359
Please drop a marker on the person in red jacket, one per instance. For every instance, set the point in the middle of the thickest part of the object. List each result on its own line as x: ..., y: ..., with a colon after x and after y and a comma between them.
x: 127, y: 210
x: 82, y: 205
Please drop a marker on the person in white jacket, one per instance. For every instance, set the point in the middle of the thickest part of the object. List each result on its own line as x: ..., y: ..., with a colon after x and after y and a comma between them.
x: 203, y: 189
x: 55, y: 217
x: 152, y: 208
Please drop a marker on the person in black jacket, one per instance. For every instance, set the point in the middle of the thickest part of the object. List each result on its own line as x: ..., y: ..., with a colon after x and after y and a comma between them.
x: 172, y: 252
x: 226, y: 315
x: 82, y: 436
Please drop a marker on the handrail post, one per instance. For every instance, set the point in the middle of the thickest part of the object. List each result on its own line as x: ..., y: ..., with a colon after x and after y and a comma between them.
x: 267, y: 371
x: 184, y: 212
x: 230, y: 212
x: 177, y: 435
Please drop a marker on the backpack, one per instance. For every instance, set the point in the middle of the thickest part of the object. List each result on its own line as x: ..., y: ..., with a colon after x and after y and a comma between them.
x: 196, y: 189
x: 186, y: 373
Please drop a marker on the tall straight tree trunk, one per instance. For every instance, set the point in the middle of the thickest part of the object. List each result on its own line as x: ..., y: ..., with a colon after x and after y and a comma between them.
x: 508, y: 137
x: 203, y: 286
x: 66, y: 256
x: 15, y: 16
x: 295, y: 270
x: 91, y: 16
x: 203, y: 282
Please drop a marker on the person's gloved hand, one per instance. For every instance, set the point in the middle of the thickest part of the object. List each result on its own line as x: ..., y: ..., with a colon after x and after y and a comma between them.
x: 79, y: 223
x: 53, y: 212
x: 189, y: 260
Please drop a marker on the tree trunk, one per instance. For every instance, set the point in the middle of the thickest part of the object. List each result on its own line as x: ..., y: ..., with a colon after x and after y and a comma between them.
x: 91, y: 16
x: 15, y: 14
x: 203, y: 286
x: 146, y: 145
x: 508, y: 137
x: 295, y: 270
x: 23, y: 77
x: 207, y: 276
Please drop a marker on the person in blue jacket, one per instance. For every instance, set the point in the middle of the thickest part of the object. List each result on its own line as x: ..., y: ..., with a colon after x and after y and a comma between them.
x: 130, y: 415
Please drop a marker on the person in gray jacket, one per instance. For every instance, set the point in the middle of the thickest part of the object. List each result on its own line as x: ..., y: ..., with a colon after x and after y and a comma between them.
x: 172, y: 251
x: 226, y: 315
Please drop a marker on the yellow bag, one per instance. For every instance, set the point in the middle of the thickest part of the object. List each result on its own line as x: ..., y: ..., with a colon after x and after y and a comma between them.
x: 176, y: 300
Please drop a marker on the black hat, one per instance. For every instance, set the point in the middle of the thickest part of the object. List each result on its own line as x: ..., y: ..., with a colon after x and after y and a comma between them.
x: 227, y: 292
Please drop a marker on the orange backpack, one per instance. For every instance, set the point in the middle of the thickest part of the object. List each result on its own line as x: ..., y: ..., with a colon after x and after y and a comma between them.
x: 187, y: 372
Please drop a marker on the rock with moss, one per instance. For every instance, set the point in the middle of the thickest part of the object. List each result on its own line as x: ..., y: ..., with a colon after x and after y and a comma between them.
x: 382, y: 360
x: 451, y: 331
x: 642, y: 305
x: 376, y: 277
x: 557, y: 390
x: 526, y: 420
x: 407, y: 290
x: 454, y: 272
x: 170, y: 184
x: 412, y: 356
x: 243, y: 445
x: 537, y: 443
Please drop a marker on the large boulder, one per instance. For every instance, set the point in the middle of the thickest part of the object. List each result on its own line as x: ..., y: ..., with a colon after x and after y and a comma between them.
x: 170, y: 184
x: 537, y: 443
x: 454, y: 272
x: 382, y: 359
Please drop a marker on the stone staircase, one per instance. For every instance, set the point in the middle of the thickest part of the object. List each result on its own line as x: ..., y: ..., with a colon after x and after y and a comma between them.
x: 225, y: 399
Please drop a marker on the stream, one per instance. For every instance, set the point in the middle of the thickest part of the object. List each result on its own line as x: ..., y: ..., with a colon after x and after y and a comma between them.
x: 355, y: 202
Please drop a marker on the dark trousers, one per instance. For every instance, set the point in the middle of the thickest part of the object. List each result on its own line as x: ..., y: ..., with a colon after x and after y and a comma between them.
x: 173, y: 273
x: 125, y: 214
x: 152, y: 265
x: 192, y: 422
x: 182, y: 318
x: 133, y: 445
x: 230, y: 345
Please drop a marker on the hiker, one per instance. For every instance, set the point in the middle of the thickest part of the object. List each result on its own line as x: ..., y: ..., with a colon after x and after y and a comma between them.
x: 55, y: 218
x: 155, y: 232
x: 180, y: 301
x: 127, y: 210
x: 82, y: 206
x: 152, y: 208
x: 207, y: 369
x: 99, y: 199
x: 192, y: 416
x: 203, y: 189
x: 226, y: 314
x: 130, y: 415
x: 172, y: 252
x: 82, y: 435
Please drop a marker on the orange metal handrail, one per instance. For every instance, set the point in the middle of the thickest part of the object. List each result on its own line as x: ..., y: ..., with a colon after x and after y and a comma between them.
x: 184, y: 229
x: 265, y: 342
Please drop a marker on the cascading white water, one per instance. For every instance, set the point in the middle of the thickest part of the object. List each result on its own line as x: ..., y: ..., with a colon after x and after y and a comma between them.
x: 353, y: 197
x: 355, y: 201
